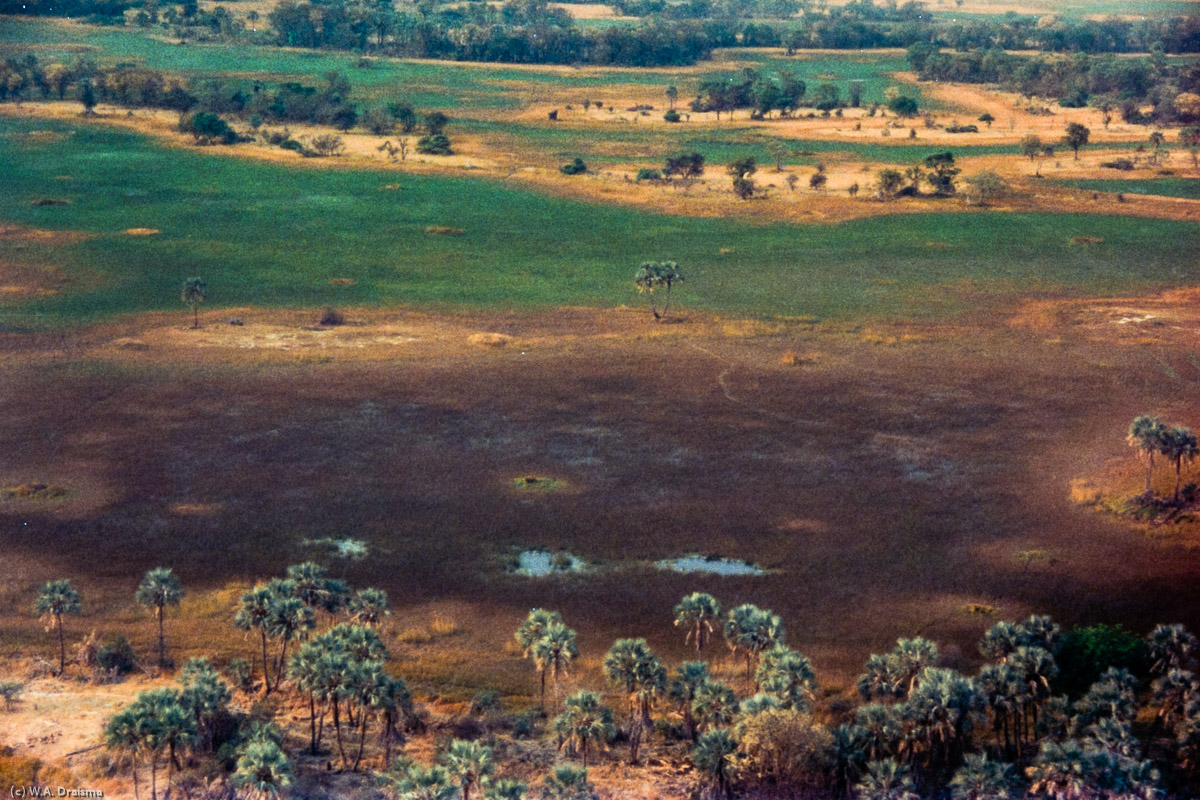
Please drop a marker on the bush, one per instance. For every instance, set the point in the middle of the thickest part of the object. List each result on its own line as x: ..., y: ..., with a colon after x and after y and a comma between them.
x: 292, y: 144
x: 239, y: 673
x: 328, y: 144
x: 785, y: 748
x: 331, y: 316
x: 576, y: 167
x: 903, y: 106
x: 207, y: 128
x: 10, y: 692
x: 672, y: 116
x: 435, y: 144
x: 647, y: 174
x: 1123, y: 164
x: 117, y: 656
x: 962, y: 129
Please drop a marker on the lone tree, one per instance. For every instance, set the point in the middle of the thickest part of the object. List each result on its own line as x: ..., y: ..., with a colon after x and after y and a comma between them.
x: 653, y: 274
x: 1077, y: 137
x: 194, y: 293
x: 942, y: 173
x: 54, y: 600
x: 1146, y: 434
x: 696, y: 614
x: 159, y: 589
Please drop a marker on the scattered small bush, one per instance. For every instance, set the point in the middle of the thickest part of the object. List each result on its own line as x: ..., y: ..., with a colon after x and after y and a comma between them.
x: 672, y: 116
x: 436, y: 144
x: 1123, y: 164
x: 10, y: 692
x: 331, y: 316
x: 962, y: 129
x: 117, y: 656
x: 648, y: 174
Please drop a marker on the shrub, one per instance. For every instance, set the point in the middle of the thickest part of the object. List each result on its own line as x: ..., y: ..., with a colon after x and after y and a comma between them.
x: 785, y: 748
x: 435, y: 144
x: 903, y: 106
x: 647, y: 174
x: 672, y: 116
x: 576, y: 167
x: 1123, y: 164
x: 292, y: 144
x: 328, y: 144
x: 239, y: 673
x: 10, y: 692
x: 962, y: 129
x: 331, y: 316
x: 117, y: 656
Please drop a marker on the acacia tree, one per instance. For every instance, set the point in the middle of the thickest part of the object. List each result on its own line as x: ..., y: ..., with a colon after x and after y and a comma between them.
x: 696, y: 614
x: 195, y: 291
x: 56, y: 599
x: 159, y: 589
x: 653, y: 274
x: 1076, y: 137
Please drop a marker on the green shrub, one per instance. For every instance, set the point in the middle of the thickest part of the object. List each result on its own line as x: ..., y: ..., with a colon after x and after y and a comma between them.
x: 647, y: 174
x: 1087, y: 652
x: 435, y: 144
x: 672, y: 116
x: 576, y: 167
x: 117, y: 656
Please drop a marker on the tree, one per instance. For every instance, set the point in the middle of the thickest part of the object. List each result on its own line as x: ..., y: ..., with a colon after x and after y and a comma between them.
x: 714, y: 758
x: 124, y: 733
x: 1179, y: 445
x: 653, y: 274
x: 531, y: 629
x: 690, y: 676
x: 787, y: 676
x: 942, y: 173
x: 369, y: 606
x: 687, y: 165
x: 468, y: 763
x: 1147, y: 434
x: 553, y: 652
x: 56, y: 599
x: 1189, y: 137
x: 87, y: 96
x: 778, y: 151
x: 159, y: 589
x: 987, y: 119
x: 631, y: 665
x: 903, y: 106
x: 194, y: 293
x: 980, y: 778
x: 744, y: 188
x: 713, y: 704
x: 416, y: 782
x: 985, y: 186
x: 1031, y: 145
x: 742, y: 167
x: 886, y: 780
x: 1172, y: 647
x: 888, y: 182
x: 567, y: 783
x: 204, y: 695
x: 672, y: 96
x: 435, y: 123
x: 585, y: 719
x: 206, y: 128
x: 1076, y: 137
x: 263, y: 770
x: 311, y: 584
x: 750, y: 630
x: 696, y: 614
x: 256, y: 612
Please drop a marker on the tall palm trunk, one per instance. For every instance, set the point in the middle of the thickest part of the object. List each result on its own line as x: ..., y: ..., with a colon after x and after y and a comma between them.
x: 362, y: 741
x: 667, y: 305
x: 62, y: 646
x: 266, y: 664
x: 162, y: 645
x: 337, y: 729
x: 170, y: 770
x: 1149, y: 471
x: 134, y: 769
x: 312, y: 722
x: 153, y: 776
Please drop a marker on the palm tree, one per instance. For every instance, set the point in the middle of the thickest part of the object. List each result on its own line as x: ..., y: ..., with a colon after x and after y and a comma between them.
x: 531, y: 629
x: 849, y: 756
x: 1002, y: 691
x: 567, y: 783
x: 304, y: 671
x: 713, y: 757
x: 507, y: 789
x: 631, y: 665
x: 653, y: 274
x: 1171, y: 647
x: 877, y: 681
x: 204, y: 695
x: 289, y: 619
x: 1061, y: 771
x: 395, y: 703
x: 194, y: 293
x: 886, y: 780
x: 1000, y: 640
x: 415, y: 782
x: 553, y: 653
x: 178, y: 730
x: 751, y: 630
x: 313, y: 586
x: 263, y: 770
x: 585, y: 719
x: 123, y: 733
x: 56, y: 599
x: 690, y: 676
x: 369, y: 607
x: 1179, y: 445
x: 159, y: 589
x: 982, y: 779
x: 881, y: 725
x: 255, y: 612
x: 714, y: 704
x: 910, y: 658
x: 787, y: 676
x: 1041, y: 631
x: 1113, y: 696
x: 1172, y: 693
x: 940, y: 707
x: 1146, y: 434
x: 468, y: 763
x: 696, y: 614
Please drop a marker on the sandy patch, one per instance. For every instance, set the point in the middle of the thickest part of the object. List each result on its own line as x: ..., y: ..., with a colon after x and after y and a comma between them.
x: 142, y: 231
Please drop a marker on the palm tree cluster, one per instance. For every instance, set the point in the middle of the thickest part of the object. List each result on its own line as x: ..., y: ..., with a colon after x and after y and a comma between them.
x: 285, y: 610
x: 1175, y: 443
x: 170, y: 722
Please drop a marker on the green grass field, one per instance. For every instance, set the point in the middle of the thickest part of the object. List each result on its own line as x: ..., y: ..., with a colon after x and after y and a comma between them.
x: 1188, y: 188
x: 272, y: 235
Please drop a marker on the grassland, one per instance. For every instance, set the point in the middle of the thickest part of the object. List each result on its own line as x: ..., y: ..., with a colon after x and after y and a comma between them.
x: 267, y: 234
x: 1188, y: 188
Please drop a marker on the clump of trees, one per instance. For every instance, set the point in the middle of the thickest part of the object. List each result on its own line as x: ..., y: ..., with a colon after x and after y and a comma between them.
x: 1175, y: 443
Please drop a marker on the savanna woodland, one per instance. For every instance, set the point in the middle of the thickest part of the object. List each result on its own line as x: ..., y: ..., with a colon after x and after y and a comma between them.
x: 647, y: 399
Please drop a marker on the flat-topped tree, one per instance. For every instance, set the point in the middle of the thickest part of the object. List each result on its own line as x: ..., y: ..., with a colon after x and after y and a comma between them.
x: 654, y: 274
x: 159, y: 589
x: 56, y: 599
